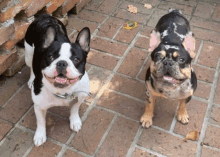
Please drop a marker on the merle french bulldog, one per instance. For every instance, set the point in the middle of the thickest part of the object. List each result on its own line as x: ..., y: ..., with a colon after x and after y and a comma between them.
x: 170, y: 75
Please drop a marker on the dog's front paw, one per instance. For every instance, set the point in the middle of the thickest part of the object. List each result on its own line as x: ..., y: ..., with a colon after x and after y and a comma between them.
x: 30, y: 82
x: 75, y: 124
x: 39, y: 137
x: 146, y: 120
x: 183, y: 117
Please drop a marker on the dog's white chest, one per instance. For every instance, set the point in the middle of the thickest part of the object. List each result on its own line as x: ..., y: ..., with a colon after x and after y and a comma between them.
x: 47, y: 97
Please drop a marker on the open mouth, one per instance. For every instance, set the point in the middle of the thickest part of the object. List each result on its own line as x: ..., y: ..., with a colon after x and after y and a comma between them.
x: 169, y: 78
x: 61, y: 79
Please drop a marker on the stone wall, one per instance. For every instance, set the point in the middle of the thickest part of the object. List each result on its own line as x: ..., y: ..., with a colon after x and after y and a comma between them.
x: 15, y: 17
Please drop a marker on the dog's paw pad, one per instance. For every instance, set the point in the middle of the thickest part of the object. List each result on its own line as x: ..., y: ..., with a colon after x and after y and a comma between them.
x: 39, y: 138
x: 146, y: 121
x: 75, y: 124
x: 183, y: 118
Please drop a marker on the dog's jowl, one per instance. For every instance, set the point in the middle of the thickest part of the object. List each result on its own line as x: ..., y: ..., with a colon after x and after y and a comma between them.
x: 57, y: 70
x: 170, y: 74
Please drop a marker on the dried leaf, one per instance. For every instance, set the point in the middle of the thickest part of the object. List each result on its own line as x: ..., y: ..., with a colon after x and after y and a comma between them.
x: 148, y: 6
x: 193, y: 135
x: 132, y: 9
x: 130, y: 25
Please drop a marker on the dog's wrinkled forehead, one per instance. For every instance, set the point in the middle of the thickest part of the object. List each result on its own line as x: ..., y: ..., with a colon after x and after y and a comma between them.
x: 171, y: 47
x: 171, y: 51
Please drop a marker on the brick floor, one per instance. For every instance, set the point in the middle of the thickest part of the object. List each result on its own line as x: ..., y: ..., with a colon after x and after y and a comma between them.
x: 117, y: 65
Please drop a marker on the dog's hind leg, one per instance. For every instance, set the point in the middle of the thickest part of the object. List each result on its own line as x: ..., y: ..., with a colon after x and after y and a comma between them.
x: 29, y: 52
x: 75, y: 121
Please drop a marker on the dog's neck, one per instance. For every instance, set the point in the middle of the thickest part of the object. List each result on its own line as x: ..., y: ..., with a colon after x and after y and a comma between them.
x: 70, y: 96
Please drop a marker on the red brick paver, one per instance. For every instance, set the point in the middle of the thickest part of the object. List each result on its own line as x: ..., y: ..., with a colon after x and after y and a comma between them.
x: 166, y: 143
x: 141, y: 153
x: 204, y: 10
x: 119, y: 138
x: 92, y: 131
x: 4, y: 128
x: 216, y: 15
x: 71, y: 153
x: 91, y: 16
x: 108, y: 46
x: 48, y: 149
x: 133, y: 61
x: 184, y: 8
x: 102, y: 59
x: 209, y: 152
x: 215, y: 116
x: 110, y: 27
x: 212, y: 136
x: 116, y: 65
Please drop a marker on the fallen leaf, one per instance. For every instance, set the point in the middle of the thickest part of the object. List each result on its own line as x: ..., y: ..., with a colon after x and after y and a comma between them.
x: 193, y: 135
x: 132, y: 9
x: 148, y: 6
x: 130, y: 25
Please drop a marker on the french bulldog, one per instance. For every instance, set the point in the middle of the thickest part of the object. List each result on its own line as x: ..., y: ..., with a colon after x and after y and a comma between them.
x: 170, y: 75
x: 57, y: 70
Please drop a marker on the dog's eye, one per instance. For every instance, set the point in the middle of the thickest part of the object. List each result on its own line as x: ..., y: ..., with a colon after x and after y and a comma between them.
x: 181, y: 60
x: 76, y: 60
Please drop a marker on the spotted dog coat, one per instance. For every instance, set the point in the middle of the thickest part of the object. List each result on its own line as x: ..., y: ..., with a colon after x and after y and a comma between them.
x: 170, y: 74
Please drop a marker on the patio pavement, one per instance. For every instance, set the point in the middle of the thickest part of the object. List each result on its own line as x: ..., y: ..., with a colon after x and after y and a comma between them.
x: 116, y: 66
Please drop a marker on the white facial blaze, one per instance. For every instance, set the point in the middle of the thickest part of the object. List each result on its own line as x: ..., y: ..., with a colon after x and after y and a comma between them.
x: 65, y: 50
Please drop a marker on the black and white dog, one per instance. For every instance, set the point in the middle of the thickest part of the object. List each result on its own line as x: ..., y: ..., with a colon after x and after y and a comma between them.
x: 57, y: 70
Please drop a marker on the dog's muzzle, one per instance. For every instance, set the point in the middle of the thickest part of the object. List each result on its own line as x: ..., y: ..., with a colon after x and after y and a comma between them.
x: 61, y: 67
x: 168, y: 63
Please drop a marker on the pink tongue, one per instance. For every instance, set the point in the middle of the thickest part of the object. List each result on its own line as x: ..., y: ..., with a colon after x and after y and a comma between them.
x: 60, y: 80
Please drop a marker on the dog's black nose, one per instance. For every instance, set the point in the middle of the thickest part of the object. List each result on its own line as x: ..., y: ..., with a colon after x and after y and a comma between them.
x: 168, y: 62
x: 62, y: 65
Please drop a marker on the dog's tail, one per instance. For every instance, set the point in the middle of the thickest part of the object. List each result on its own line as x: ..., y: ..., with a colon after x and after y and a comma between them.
x: 175, y: 11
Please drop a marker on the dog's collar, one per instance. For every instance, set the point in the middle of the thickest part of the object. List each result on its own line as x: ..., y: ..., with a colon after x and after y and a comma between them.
x: 70, y: 96
x: 65, y: 96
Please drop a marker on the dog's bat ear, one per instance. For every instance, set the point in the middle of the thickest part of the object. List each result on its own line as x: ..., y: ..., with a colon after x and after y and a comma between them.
x: 189, y: 44
x: 83, y: 39
x: 49, y: 37
x: 154, y: 40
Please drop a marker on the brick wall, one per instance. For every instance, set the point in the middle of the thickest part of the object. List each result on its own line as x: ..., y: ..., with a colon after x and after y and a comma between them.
x: 15, y: 17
